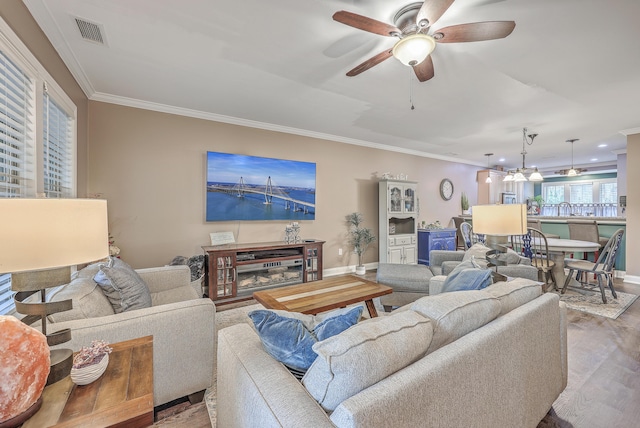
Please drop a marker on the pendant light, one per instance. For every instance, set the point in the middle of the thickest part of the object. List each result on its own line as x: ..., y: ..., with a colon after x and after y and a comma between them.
x: 488, y: 155
x: 572, y: 172
x: 519, y: 176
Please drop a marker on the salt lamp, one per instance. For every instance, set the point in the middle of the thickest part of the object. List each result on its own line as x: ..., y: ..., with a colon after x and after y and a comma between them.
x: 24, y: 367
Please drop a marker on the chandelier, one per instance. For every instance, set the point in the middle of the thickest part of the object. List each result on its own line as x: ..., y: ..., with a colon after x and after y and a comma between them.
x: 519, y: 174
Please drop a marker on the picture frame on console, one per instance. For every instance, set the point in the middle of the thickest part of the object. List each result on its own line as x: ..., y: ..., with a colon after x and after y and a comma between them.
x: 243, y: 187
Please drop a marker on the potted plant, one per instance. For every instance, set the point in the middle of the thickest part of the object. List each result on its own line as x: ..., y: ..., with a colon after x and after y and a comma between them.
x: 539, y: 200
x: 359, y: 238
x: 464, y: 203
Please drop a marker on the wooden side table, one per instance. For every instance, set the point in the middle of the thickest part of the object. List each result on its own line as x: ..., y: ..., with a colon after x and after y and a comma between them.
x: 121, y: 397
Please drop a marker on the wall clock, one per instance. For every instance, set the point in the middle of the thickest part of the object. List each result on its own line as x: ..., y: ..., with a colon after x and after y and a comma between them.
x: 446, y: 189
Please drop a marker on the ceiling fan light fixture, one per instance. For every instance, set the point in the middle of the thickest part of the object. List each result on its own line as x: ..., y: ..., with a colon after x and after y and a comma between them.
x: 572, y: 173
x: 413, y: 49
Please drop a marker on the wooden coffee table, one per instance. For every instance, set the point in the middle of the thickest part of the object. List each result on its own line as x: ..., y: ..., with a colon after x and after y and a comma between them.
x: 121, y: 397
x: 324, y: 295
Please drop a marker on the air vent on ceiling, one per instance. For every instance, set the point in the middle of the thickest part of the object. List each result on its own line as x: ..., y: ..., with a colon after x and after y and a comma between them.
x: 90, y: 31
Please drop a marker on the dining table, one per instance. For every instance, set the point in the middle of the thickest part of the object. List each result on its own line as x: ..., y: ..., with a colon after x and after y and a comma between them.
x: 558, y: 250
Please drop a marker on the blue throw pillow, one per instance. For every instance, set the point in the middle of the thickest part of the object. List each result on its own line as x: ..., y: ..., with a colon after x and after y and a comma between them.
x: 467, y: 276
x: 290, y: 340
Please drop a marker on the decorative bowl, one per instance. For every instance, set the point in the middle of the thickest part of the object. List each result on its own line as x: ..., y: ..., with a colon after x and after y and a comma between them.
x: 86, y: 375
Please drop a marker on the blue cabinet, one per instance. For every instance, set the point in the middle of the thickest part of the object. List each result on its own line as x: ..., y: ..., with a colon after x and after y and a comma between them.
x: 434, y: 239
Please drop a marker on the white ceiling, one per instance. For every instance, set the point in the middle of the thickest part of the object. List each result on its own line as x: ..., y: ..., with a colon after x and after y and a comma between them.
x: 570, y: 69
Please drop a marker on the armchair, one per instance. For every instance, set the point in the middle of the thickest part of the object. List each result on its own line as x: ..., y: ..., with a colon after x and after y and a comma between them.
x: 181, y: 323
x: 443, y: 262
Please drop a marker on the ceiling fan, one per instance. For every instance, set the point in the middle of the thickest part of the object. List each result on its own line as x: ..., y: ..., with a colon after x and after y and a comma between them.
x: 412, y: 25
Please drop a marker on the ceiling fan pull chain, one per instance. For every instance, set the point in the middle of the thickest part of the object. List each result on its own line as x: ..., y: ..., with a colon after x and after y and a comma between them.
x: 411, y: 89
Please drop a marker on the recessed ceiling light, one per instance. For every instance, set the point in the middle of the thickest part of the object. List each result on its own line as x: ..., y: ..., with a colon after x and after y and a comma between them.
x: 602, y: 145
x: 594, y: 159
x: 501, y: 160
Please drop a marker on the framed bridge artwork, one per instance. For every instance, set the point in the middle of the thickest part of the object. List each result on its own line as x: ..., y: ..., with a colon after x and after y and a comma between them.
x: 242, y: 187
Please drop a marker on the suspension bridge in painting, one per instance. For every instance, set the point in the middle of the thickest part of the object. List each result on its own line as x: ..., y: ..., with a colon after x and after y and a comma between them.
x: 269, y: 191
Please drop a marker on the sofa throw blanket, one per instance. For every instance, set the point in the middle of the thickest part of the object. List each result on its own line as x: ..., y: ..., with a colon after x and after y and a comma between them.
x: 468, y: 275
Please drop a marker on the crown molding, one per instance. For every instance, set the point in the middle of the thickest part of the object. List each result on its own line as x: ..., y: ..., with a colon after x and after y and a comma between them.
x: 197, y: 114
x: 630, y: 131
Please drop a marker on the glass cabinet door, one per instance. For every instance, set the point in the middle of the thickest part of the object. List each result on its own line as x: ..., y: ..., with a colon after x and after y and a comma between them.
x: 395, y: 195
x: 224, y: 275
x: 409, y: 199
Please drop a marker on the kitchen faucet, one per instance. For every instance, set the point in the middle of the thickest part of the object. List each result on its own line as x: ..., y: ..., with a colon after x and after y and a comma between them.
x: 565, y: 204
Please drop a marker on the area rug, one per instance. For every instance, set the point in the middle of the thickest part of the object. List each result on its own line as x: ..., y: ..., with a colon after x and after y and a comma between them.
x: 591, y: 302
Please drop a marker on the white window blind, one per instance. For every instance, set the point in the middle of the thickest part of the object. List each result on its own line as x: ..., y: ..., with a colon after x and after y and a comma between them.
x: 17, y: 114
x: 37, y: 134
x: 609, y: 193
x: 581, y: 193
x: 553, y: 194
x: 57, y: 142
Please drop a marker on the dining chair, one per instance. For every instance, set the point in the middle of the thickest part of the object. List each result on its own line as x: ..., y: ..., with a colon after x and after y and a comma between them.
x: 586, y: 230
x: 603, y: 268
x: 533, y: 245
x: 535, y: 223
x: 457, y: 221
x: 469, y: 237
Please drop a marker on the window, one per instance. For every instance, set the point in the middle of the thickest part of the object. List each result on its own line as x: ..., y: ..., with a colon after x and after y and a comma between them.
x: 37, y: 134
x: 16, y: 125
x: 581, y: 193
x: 57, y: 156
x: 553, y: 194
x: 609, y: 193
x: 593, y: 191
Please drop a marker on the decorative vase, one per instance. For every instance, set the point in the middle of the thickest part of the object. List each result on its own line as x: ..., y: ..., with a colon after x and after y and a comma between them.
x: 360, y: 270
x: 86, y: 375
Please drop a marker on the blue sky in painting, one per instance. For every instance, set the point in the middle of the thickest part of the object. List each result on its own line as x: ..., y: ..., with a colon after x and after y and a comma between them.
x: 228, y: 168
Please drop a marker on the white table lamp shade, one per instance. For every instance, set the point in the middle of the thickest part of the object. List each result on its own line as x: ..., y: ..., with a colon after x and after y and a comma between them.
x: 40, y: 234
x: 500, y: 220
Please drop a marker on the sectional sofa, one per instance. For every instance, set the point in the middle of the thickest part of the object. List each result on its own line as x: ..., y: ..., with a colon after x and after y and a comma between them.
x: 495, y: 357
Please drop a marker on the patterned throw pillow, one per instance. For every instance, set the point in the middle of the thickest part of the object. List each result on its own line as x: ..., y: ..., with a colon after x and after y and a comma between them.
x: 290, y: 339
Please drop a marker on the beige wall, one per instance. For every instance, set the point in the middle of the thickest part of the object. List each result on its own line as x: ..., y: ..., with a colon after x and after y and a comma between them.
x: 633, y: 207
x: 17, y: 16
x: 150, y: 167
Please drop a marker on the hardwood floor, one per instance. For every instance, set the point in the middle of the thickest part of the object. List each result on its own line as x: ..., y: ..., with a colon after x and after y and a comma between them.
x: 603, y: 388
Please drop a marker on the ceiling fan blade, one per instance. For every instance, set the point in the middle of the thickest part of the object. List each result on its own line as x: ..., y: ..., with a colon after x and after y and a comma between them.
x: 367, y: 24
x: 474, y: 32
x: 424, y: 70
x: 370, y: 63
x: 431, y: 11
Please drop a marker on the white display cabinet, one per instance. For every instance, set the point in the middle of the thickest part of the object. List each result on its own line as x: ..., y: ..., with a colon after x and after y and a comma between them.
x: 398, y: 223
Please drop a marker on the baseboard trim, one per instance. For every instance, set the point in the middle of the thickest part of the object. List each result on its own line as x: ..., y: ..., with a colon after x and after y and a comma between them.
x: 342, y: 270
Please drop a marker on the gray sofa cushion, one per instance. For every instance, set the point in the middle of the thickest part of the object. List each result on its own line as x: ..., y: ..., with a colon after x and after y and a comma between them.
x: 365, y: 354
x: 123, y: 286
x: 514, y: 293
x: 456, y: 314
x: 403, y: 277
